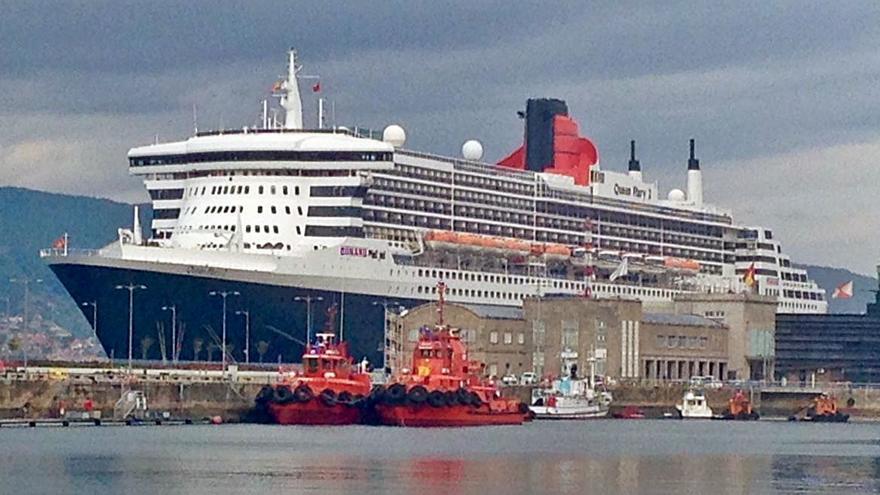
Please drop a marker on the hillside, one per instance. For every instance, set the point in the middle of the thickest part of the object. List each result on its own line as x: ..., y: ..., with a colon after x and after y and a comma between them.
x: 829, y: 278
x: 31, y: 220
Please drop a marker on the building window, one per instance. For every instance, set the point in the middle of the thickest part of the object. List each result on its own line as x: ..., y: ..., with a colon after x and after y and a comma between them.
x: 493, y: 338
x: 520, y: 338
x: 508, y: 338
x: 493, y: 370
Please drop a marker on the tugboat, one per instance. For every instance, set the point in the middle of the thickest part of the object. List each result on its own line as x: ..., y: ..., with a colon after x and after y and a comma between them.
x: 330, y: 390
x: 443, y: 388
x: 822, y: 410
x: 739, y: 407
x: 569, y: 398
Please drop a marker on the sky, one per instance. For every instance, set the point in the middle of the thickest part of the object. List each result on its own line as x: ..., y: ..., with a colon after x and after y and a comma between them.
x: 783, y: 98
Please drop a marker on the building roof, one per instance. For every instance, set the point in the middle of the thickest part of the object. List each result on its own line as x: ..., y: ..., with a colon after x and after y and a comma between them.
x: 496, y: 312
x: 683, y: 320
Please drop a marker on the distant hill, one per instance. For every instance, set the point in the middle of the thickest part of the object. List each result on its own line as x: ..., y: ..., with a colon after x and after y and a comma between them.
x: 32, y: 220
x: 829, y: 278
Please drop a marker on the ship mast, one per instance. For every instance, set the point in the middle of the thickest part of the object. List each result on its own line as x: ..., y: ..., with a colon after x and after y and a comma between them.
x: 290, y: 98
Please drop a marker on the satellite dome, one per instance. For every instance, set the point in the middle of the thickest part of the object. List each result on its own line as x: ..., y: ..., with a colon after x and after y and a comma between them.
x: 472, y: 150
x: 394, y: 135
x: 676, y: 195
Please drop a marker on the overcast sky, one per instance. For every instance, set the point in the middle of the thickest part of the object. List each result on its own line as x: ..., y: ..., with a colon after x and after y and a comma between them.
x: 782, y: 98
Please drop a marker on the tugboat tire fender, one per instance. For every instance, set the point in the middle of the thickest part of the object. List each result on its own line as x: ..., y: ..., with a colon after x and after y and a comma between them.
x: 395, y: 394
x: 345, y: 398
x: 476, y: 401
x: 417, y: 394
x: 265, y: 395
x: 436, y: 399
x: 463, y: 397
x: 328, y: 397
x: 283, y: 395
x: 303, y: 393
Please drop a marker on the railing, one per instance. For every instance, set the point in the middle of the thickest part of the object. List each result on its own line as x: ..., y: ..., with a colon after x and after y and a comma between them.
x: 132, y: 403
x: 45, y: 253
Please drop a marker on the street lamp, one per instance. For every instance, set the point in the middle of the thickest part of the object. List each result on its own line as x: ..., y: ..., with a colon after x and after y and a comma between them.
x: 173, y: 309
x: 130, y: 288
x: 224, y: 294
x: 26, y: 282
x: 308, y: 300
x: 247, y: 334
x: 385, y: 338
x: 94, y: 305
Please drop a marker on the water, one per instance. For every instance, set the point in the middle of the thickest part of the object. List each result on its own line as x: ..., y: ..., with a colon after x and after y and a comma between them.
x: 543, y: 457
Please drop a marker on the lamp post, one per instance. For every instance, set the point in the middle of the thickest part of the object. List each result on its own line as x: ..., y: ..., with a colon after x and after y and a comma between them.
x: 247, y: 334
x: 94, y: 305
x: 308, y: 300
x: 26, y: 282
x: 385, y: 303
x: 130, y: 287
x: 223, y: 294
x: 173, y: 309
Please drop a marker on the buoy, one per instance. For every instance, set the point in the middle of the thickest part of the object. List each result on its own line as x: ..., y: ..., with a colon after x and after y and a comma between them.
x: 216, y: 420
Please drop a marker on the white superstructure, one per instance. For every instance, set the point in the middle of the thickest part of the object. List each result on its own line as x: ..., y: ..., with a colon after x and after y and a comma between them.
x: 337, y: 210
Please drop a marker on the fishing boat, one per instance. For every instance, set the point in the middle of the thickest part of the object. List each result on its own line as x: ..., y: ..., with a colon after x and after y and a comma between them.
x: 569, y: 398
x: 443, y: 387
x: 330, y: 389
x: 694, y: 405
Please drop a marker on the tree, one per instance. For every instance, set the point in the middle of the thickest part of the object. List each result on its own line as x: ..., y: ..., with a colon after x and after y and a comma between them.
x: 211, y: 349
x: 262, y: 349
x: 198, y: 342
x: 146, y: 343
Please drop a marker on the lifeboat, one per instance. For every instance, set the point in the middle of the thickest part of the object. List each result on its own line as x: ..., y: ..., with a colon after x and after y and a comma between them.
x: 462, y: 240
x: 330, y: 390
x: 681, y: 264
x: 739, y: 407
x: 442, y: 389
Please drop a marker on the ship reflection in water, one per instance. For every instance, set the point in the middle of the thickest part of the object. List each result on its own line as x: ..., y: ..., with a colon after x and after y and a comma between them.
x: 558, y: 457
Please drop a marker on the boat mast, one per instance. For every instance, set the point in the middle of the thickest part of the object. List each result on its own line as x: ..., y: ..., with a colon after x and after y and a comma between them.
x: 290, y: 99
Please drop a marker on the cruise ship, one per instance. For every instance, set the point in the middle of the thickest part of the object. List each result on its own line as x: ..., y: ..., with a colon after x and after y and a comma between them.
x: 256, y: 232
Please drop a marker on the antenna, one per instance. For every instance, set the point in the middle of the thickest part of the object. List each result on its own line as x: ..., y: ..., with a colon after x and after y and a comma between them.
x: 634, y: 165
x: 693, y: 163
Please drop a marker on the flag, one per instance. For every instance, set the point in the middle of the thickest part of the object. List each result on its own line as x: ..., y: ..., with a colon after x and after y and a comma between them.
x: 843, y: 291
x: 621, y: 270
x: 317, y: 87
x: 278, y: 86
x: 749, y: 276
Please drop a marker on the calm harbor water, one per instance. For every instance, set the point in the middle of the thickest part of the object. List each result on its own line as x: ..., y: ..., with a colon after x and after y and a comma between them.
x: 543, y: 457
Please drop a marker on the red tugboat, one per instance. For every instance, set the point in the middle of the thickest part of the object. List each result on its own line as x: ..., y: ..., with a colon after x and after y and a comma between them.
x: 329, y: 391
x: 443, y: 388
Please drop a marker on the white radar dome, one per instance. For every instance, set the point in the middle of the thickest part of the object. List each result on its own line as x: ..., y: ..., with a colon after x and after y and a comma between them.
x: 676, y: 195
x: 472, y: 150
x: 394, y: 135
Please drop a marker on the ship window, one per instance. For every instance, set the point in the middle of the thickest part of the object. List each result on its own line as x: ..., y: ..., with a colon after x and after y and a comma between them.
x: 275, y: 228
x: 260, y: 190
x: 284, y: 190
x: 266, y: 229
x: 259, y: 209
x: 287, y: 210
x: 298, y: 230
x: 256, y: 228
x: 273, y: 210
x: 296, y: 190
x: 299, y: 210
x: 247, y: 228
x: 272, y: 190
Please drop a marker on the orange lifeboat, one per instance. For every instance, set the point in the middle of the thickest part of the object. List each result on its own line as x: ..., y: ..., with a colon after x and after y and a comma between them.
x: 329, y: 391
x: 681, y: 264
x: 739, y: 407
x: 443, y: 389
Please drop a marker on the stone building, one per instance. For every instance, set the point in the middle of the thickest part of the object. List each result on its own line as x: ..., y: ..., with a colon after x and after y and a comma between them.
x: 616, y: 339
x: 751, y: 319
x: 495, y: 335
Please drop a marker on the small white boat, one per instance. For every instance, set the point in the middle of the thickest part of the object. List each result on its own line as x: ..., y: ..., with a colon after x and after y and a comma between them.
x: 569, y: 399
x: 694, y: 406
